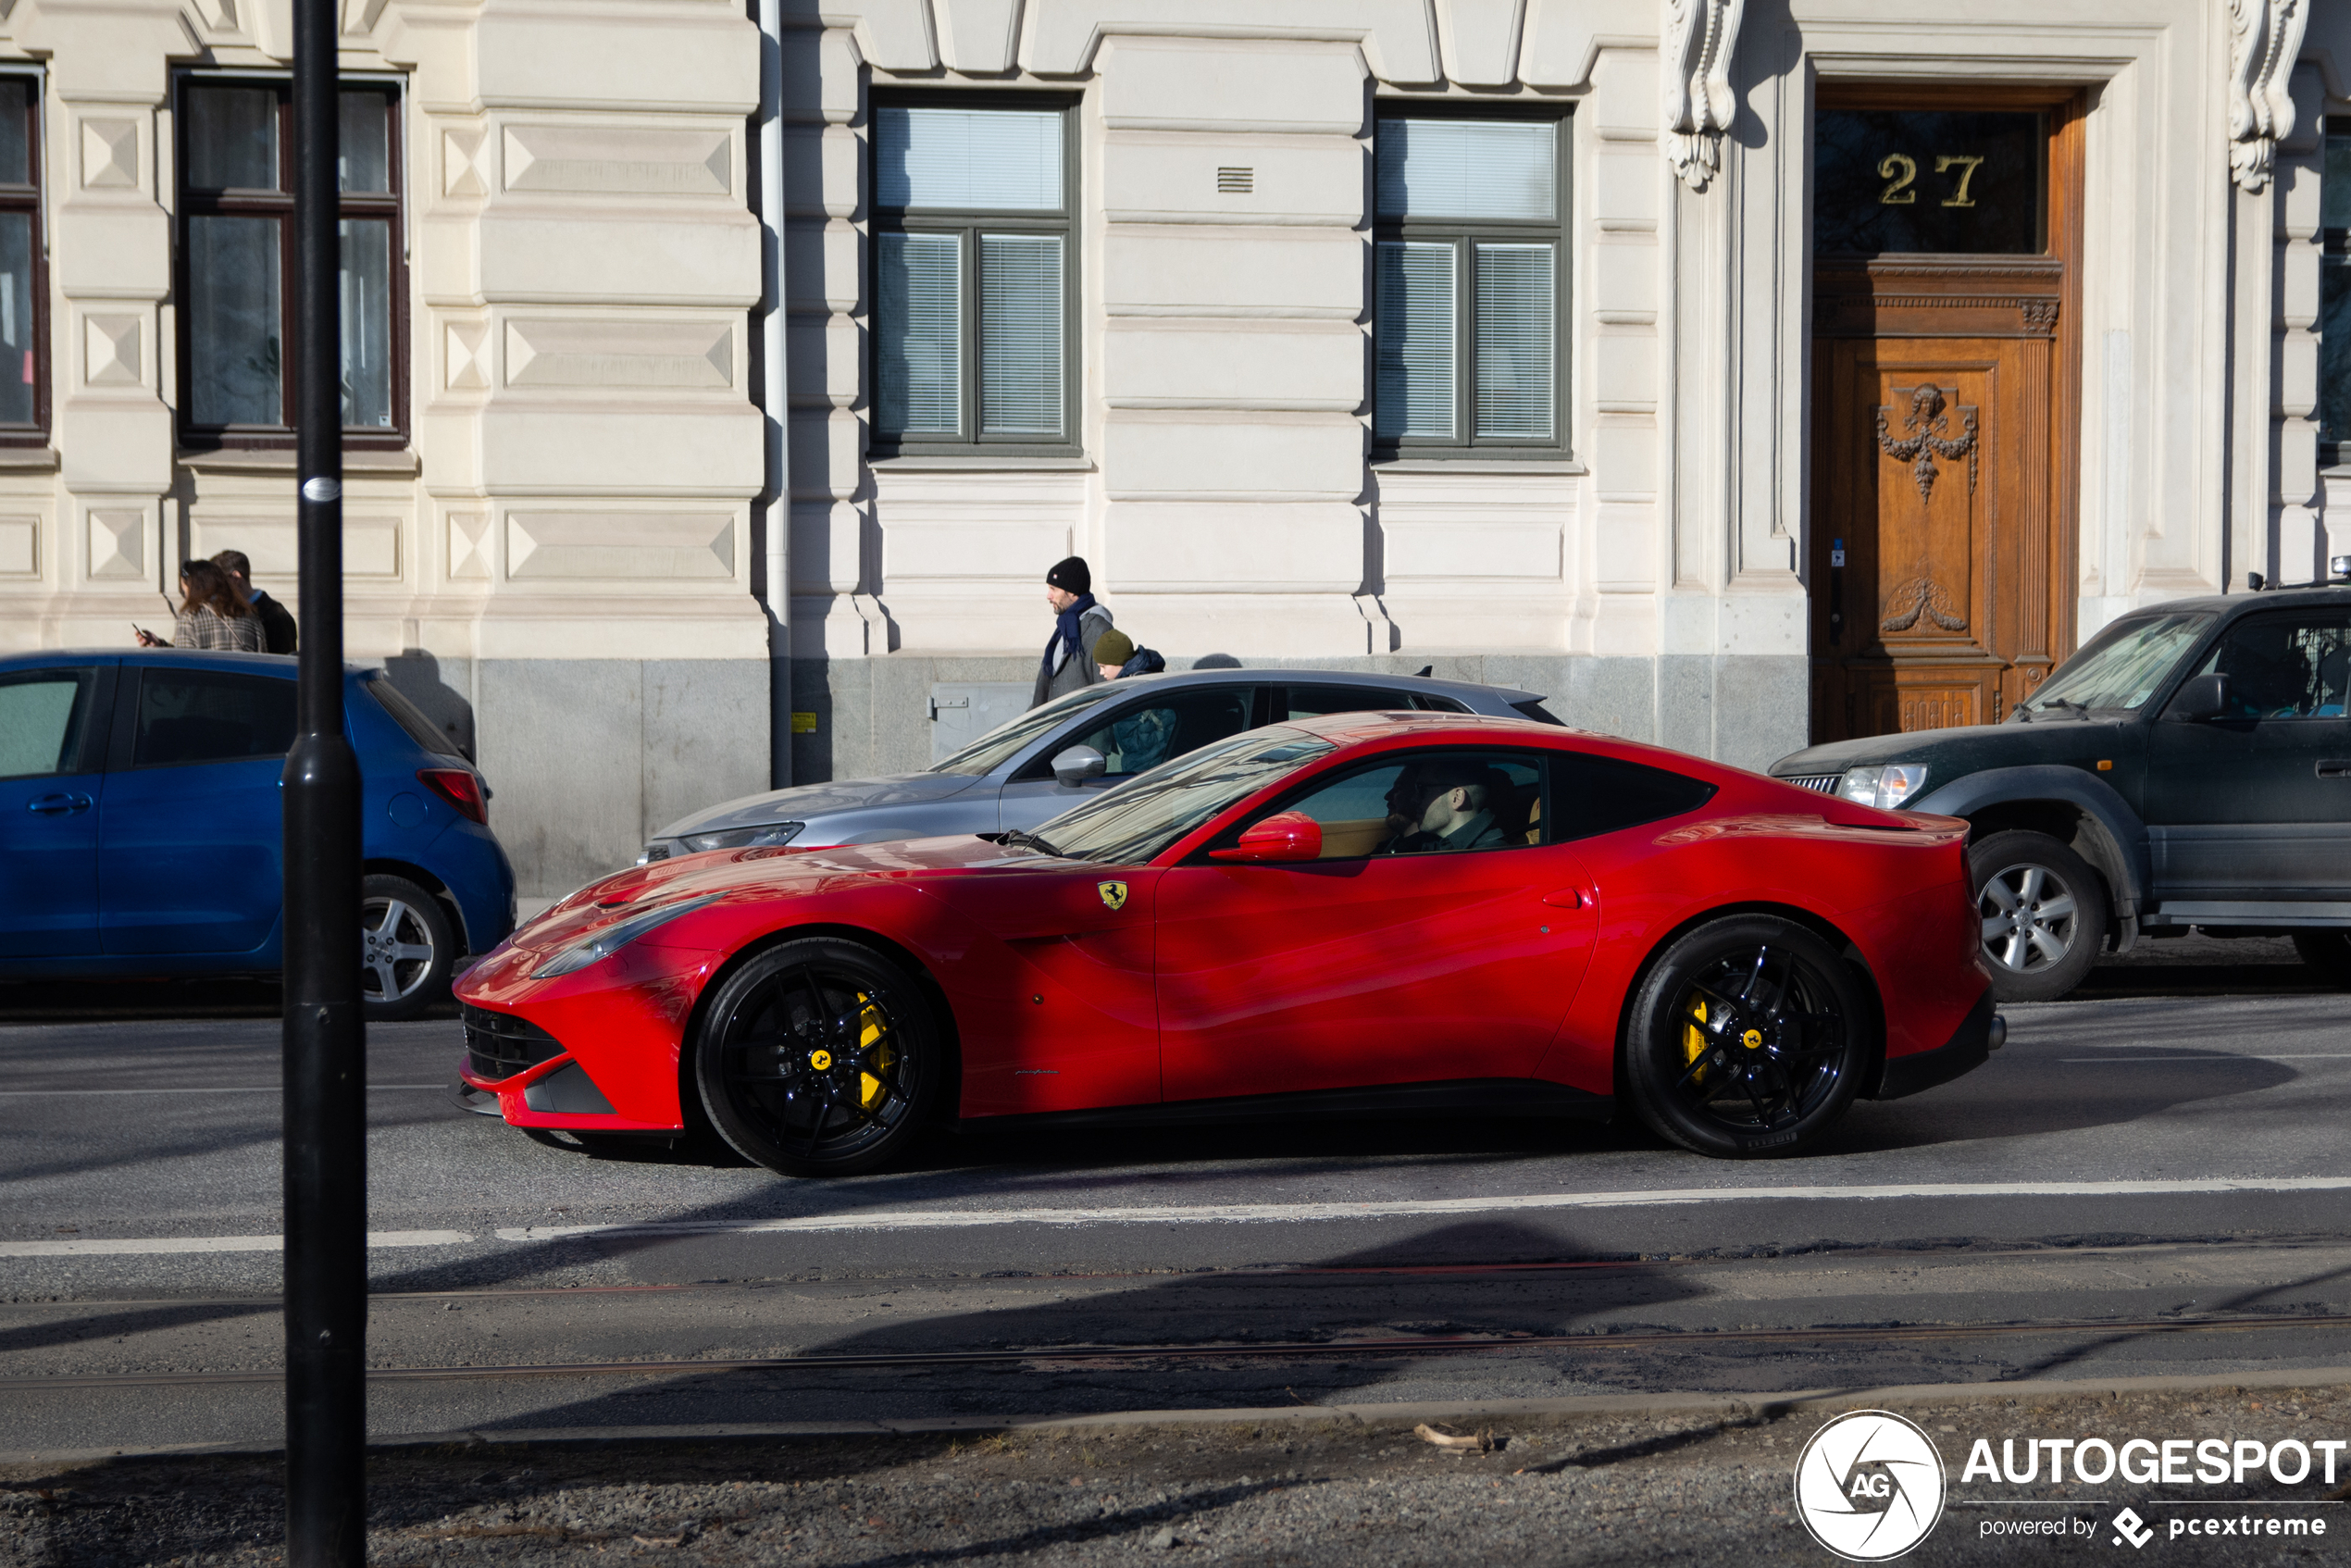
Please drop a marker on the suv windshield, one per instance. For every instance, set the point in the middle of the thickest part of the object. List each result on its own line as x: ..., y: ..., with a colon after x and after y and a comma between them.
x: 998, y: 747
x: 1137, y: 821
x: 2122, y: 666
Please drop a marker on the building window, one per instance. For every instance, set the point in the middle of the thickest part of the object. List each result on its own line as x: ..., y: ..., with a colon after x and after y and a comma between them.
x: 236, y: 283
x: 2335, y: 294
x: 973, y: 277
x: 24, y: 381
x: 1468, y: 285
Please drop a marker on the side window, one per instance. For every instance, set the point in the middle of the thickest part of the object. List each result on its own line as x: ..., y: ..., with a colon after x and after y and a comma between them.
x: 1428, y: 802
x: 2285, y: 667
x: 42, y: 715
x: 1312, y: 701
x: 1596, y: 795
x: 209, y: 716
x: 1139, y: 737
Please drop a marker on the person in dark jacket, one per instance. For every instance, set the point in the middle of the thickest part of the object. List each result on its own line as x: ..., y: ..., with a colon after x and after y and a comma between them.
x: 1078, y: 624
x: 277, y: 621
x: 1116, y: 656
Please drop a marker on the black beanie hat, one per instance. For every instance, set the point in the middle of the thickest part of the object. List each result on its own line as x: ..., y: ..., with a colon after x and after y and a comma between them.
x: 1071, y: 576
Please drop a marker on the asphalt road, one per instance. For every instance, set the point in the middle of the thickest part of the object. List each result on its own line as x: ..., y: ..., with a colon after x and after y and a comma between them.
x: 2151, y: 1180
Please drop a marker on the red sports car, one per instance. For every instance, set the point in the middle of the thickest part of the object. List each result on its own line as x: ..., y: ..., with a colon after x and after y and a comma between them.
x: 1365, y: 913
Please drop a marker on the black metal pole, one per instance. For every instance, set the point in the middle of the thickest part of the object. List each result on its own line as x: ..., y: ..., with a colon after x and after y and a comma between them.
x: 324, y: 1049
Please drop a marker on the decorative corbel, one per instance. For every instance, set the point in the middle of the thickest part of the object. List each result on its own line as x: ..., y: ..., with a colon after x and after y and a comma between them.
x: 1699, y: 105
x: 2265, y: 37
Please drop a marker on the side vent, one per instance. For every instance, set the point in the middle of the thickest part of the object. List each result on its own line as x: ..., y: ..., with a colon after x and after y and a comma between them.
x: 1235, y: 182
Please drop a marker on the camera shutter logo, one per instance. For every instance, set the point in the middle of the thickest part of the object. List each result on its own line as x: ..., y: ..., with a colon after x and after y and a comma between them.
x: 1868, y: 1485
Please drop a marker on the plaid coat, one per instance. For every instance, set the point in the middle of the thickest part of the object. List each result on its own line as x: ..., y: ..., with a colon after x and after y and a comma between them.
x: 204, y: 627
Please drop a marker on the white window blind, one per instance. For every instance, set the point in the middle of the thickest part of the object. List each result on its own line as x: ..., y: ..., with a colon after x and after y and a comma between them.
x: 995, y: 160
x: 1468, y: 168
x: 1414, y: 325
x: 1020, y: 334
x: 919, y: 333
x: 1514, y: 340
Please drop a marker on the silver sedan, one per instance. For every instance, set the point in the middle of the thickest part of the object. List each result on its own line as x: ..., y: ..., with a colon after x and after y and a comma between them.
x: 1021, y: 773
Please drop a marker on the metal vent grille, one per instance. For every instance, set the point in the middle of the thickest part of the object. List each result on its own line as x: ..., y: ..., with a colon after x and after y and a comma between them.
x: 1236, y: 182
x: 500, y: 1045
x: 1825, y: 783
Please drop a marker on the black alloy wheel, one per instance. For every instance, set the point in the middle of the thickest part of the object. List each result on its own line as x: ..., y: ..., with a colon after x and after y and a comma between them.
x: 1750, y: 1037
x: 820, y: 1058
x: 407, y: 948
x: 2044, y: 914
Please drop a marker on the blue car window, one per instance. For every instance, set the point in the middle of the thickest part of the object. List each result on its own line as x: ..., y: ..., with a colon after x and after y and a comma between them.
x: 42, y: 715
x: 411, y: 718
x: 189, y: 716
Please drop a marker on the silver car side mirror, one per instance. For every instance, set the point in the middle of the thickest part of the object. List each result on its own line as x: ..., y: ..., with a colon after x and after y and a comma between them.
x: 1077, y: 764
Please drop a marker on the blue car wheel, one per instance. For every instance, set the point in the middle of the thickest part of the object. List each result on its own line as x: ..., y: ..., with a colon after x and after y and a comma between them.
x: 406, y: 948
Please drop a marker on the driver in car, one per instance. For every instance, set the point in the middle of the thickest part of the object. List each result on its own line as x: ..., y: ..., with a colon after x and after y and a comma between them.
x: 1442, y: 804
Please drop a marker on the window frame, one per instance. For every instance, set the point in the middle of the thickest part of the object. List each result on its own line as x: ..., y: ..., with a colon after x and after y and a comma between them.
x: 389, y: 207
x: 966, y: 224
x: 2335, y: 253
x: 1466, y: 234
x: 32, y: 199
x: 1539, y: 757
x: 123, y: 747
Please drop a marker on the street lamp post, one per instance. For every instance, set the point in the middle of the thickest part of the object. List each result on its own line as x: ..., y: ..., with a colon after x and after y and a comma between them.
x: 325, y: 1260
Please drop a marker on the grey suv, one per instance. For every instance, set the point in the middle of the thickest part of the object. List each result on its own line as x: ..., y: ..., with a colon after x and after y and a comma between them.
x: 1020, y: 774
x: 2189, y: 767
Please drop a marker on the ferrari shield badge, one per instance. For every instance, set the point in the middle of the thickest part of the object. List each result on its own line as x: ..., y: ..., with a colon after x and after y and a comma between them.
x: 1114, y: 894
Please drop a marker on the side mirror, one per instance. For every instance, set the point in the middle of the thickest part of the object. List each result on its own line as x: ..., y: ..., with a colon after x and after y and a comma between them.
x: 1285, y: 836
x: 2204, y: 696
x: 1077, y: 764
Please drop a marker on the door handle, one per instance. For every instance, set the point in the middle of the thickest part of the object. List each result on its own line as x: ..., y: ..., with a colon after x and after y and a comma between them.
x: 1566, y: 898
x: 2334, y: 767
x: 58, y: 805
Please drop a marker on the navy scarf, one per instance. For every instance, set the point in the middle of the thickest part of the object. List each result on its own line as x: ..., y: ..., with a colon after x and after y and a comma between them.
x: 1065, y: 630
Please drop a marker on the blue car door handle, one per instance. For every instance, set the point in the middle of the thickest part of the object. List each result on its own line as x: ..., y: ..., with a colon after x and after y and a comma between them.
x: 58, y: 805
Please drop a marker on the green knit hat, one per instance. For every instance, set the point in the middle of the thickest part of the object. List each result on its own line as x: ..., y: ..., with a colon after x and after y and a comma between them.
x: 1114, y: 648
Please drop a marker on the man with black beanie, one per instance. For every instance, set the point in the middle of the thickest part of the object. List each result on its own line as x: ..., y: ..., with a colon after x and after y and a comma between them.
x: 1078, y: 623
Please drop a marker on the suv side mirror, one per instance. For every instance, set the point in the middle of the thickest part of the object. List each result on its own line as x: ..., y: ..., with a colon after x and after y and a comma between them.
x: 1077, y: 764
x: 2202, y: 697
x: 1285, y: 836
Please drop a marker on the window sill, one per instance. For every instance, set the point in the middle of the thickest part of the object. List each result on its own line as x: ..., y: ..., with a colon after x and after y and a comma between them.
x: 981, y: 463
x: 28, y: 459
x: 367, y: 462
x: 1418, y: 465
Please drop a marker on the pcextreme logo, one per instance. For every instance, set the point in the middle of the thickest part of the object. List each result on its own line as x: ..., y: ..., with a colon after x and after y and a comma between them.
x: 1868, y: 1485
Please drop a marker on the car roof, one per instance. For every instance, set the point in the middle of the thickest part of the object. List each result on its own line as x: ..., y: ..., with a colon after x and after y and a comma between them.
x: 1282, y: 674
x: 281, y: 664
x: 2300, y: 596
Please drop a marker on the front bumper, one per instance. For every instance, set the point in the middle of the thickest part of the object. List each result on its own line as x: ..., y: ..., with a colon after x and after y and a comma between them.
x: 1982, y: 1033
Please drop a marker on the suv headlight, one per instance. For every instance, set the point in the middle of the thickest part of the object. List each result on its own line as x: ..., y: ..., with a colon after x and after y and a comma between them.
x: 1885, y: 788
x: 612, y: 939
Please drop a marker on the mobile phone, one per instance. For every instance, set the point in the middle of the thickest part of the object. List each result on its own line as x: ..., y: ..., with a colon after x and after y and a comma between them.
x: 141, y: 629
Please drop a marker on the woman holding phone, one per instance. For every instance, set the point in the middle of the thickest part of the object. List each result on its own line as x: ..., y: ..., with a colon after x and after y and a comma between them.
x: 212, y: 614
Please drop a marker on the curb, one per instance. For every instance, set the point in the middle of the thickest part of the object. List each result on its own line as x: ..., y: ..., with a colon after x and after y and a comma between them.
x: 1721, y: 1407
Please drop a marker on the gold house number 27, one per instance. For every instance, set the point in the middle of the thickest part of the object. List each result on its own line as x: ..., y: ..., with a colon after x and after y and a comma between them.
x: 1900, y: 172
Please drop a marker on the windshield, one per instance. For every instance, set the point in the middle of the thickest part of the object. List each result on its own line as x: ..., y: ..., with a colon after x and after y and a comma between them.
x: 1137, y: 821
x: 2122, y: 666
x: 1000, y: 745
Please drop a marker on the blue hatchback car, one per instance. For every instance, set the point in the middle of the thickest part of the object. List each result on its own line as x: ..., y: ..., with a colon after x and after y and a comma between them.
x: 141, y: 825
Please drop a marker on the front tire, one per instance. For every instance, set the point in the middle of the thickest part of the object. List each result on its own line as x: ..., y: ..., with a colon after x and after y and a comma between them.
x: 820, y: 1058
x: 1748, y: 1038
x: 407, y: 948
x: 2327, y: 953
x: 2044, y: 914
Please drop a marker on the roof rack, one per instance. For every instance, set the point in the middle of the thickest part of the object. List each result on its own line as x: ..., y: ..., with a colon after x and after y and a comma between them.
x: 2338, y: 573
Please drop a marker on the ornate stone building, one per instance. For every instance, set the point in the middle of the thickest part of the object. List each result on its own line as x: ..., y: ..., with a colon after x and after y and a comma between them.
x: 1735, y: 371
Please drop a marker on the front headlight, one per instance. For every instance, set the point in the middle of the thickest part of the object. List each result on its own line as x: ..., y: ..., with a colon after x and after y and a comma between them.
x: 1885, y: 788
x: 767, y: 833
x: 612, y: 939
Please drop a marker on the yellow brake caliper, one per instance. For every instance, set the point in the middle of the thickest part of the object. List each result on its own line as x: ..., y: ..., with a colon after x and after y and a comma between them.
x: 870, y: 1090
x: 1693, y: 1041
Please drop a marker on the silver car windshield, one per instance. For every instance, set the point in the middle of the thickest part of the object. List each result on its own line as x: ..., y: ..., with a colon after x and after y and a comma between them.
x: 1001, y: 744
x: 2124, y: 665
x: 1140, y: 819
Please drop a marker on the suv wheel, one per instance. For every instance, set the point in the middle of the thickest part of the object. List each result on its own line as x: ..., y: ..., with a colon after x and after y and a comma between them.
x: 2044, y: 914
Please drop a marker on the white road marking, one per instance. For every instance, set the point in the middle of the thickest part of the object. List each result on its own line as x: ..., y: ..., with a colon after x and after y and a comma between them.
x: 119, y: 1248
x: 242, y: 1089
x: 1424, y: 1208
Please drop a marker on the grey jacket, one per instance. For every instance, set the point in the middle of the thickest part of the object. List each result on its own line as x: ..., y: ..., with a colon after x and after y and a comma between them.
x: 1077, y: 667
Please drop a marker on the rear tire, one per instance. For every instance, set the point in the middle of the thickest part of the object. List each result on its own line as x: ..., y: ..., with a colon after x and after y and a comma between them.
x: 407, y: 948
x: 2044, y: 911
x: 820, y: 1058
x: 2329, y: 952
x: 1748, y: 1038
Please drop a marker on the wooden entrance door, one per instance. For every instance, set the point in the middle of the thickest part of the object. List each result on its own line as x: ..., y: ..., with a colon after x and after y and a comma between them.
x: 1941, y: 412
